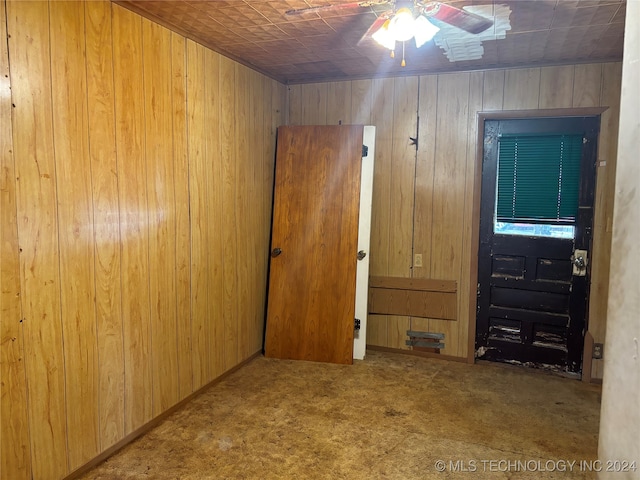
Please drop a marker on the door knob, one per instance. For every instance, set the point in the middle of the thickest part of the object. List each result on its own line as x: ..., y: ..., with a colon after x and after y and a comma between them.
x: 579, y: 262
x: 361, y: 254
x: 275, y: 252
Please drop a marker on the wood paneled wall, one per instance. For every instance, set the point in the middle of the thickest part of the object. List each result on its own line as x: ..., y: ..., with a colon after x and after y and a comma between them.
x: 423, y: 202
x: 135, y: 187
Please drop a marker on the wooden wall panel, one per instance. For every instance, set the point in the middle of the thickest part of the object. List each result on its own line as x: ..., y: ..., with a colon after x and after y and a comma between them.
x: 106, y: 216
x: 361, y: 99
x: 241, y: 185
x: 556, y: 87
x: 382, y: 107
x: 339, y: 103
x: 449, y: 189
x: 294, y: 107
x: 29, y: 51
x: 521, y: 89
x: 314, y: 104
x: 425, y: 163
x: 467, y: 285
x: 183, y: 236
x: 76, y: 235
x: 402, y: 185
x: 439, y: 224
x: 493, y: 90
x: 216, y: 205
x: 255, y: 226
x: 587, y: 83
x: 158, y: 135
x: 15, y: 456
x: 198, y: 194
x: 134, y: 214
x: 232, y: 146
x: 112, y: 228
x: 423, y: 214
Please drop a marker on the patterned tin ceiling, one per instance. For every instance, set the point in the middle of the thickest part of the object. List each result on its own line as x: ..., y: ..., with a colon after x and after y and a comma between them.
x: 324, y: 45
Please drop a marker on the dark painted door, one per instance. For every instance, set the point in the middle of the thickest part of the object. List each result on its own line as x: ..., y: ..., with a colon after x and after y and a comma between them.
x: 532, y: 285
x: 312, y: 280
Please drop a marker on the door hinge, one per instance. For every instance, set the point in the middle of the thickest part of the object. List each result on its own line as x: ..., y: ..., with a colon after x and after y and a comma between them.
x: 356, y: 324
x: 365, y: 151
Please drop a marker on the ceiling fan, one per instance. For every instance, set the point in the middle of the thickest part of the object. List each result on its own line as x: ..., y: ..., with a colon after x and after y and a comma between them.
x: 407, y: 19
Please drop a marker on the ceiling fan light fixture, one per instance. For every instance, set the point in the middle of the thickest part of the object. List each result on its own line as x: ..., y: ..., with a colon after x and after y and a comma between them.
x: 384, y: 36
x: 424, y: 30
x: 402, y: 25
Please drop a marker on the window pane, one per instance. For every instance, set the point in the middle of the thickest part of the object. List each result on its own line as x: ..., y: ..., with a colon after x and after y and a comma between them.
x: 534, y: 229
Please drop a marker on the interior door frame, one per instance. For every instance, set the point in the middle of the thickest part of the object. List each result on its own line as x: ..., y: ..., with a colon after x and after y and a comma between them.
x: 477, y: 190
x: 364, y: 241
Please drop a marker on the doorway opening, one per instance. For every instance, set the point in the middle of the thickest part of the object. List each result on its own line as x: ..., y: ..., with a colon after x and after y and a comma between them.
x: 536, y: 216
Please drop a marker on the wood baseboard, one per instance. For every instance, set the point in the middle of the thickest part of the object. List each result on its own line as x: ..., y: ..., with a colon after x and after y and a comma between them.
x: 154, y: 422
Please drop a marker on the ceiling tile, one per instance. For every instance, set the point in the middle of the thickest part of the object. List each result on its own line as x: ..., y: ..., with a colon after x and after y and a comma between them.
x: 328, y: 43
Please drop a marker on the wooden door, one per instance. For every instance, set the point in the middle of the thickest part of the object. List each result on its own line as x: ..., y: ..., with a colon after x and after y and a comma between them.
x: 532, y: 302
x: 312, y: 279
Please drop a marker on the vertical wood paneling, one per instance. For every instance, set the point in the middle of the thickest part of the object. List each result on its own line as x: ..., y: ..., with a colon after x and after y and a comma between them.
x: 76, y: 236
x: 28, y: 27
x: 361, y: 99
x: 198, y: 194
x: 466, y: 284
x: 423, y: 214
x: 102, y: 150
x: 338, y: 103
x: 133, y: 124
x: 183, y: 237
x: 216, y: 206
x: 445, y: 174
x: 134, y: 216
x: 230, y: 144
x: 587, y: 83
x: 493, y: 93
x: 382, y: 107
x: 15, y: 457
x: 254, y: 226
x: 314, y: 103
x: 403, y: 170
x: 449, y: 174
x: 112, y: 198
x: 423, y: 222
x: 521, y: 89
x: 556, y: 87
x: 241, y: 181
x: 156, y: 43
x: 449, y: 189
x: 295, y: 104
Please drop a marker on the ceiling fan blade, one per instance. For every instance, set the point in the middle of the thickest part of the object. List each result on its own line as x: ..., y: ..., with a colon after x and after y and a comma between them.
x: 467, y: 21
x: 375, y: 26
x: 338, y: 6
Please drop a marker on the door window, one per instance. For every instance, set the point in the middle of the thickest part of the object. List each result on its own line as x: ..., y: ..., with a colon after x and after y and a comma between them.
x: 537, y: 185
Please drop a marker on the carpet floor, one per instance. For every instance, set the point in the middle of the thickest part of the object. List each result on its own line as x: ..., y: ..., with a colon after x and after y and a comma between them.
x: 390, y: 416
